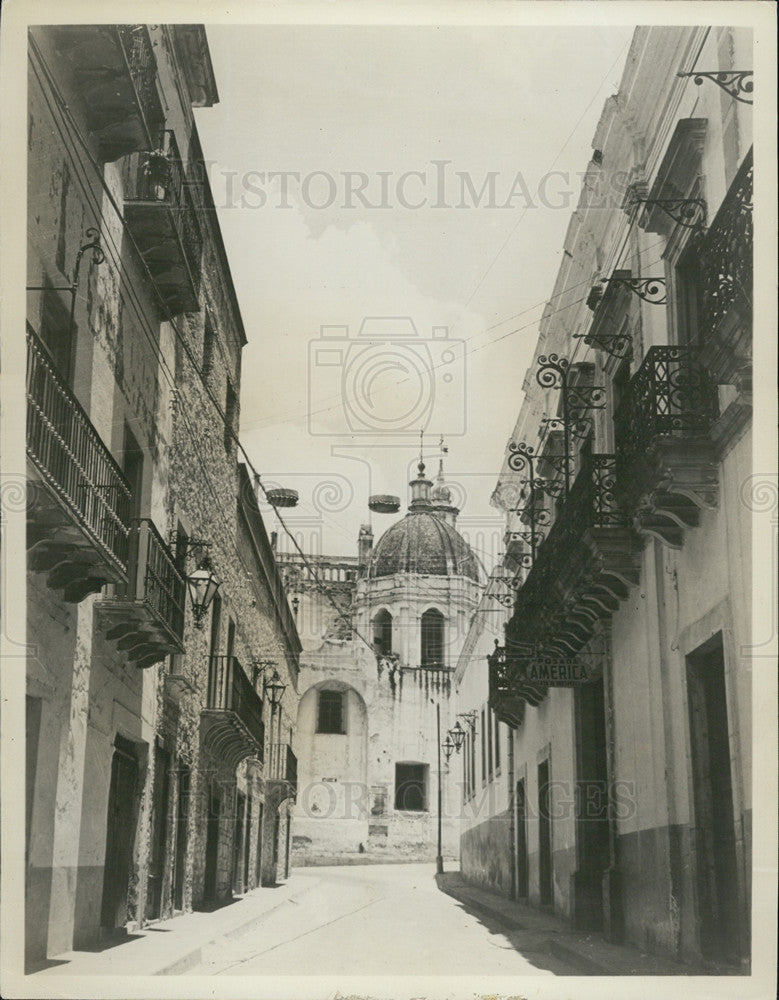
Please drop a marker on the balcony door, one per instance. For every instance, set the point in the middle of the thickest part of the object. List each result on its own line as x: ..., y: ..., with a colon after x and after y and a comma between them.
x: 132, y: 467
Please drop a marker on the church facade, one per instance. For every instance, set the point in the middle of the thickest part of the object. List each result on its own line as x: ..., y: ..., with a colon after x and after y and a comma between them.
x: 382, y: 633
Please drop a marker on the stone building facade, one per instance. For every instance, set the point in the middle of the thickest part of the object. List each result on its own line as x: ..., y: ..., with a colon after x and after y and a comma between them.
x: 156, y: 764
x: 381, y: 634
x: 623, y: 674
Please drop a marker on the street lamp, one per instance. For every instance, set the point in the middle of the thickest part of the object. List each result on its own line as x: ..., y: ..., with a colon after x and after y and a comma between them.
x: 449, y: 747
x: 275, y: 688
x: 457, y: 734
x: 202, y: 585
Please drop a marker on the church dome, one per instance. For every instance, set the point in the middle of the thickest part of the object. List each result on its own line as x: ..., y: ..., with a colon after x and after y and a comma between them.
x: 423, y: 543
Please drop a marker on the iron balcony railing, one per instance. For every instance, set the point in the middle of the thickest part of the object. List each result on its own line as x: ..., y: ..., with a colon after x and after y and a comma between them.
x: 141, y: 63
x: 72, y: 459
x: 157, y: 177
x: 590, y: 504
x: 155, y: 579
x: 230, y: 690
x: 671, y: 395
x: 285, y: 763
x: 725, y: 257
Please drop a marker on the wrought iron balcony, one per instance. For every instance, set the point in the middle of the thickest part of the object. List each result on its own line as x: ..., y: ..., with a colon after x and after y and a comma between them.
x: 231, y: 721
x: 79, y: 501
x: 506, y: 699
x: 115, y: 71
x: 725, y: 275
x: 162, y: 217
x: 146, y: 616
x: 583, y: 569
x: 285, y: 764
x: 666, y: 460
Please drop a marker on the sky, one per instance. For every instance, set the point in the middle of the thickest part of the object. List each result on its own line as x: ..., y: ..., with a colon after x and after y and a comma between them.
x: 393, y: 201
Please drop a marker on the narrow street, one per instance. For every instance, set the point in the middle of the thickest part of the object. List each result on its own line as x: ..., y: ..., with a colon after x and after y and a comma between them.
x: 379, y: 920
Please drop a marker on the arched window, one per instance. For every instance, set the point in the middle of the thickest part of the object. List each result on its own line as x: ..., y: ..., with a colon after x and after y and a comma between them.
x: 382, y: 631
x: 432, y: 638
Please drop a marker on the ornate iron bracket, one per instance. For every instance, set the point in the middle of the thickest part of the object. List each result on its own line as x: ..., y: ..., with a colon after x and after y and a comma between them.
x: 620, y: 345
x: 735, y: 82
x: 577, y: 401
x: 522, y: 456
x: 579, y: 428
x: 651, y: 290
x: 686, y: 212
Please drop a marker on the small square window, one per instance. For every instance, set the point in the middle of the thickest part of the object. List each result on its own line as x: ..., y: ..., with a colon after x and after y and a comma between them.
x: 411, y: 787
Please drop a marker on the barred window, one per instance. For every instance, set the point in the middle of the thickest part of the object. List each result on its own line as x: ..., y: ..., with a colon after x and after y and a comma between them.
x: 331, y: 716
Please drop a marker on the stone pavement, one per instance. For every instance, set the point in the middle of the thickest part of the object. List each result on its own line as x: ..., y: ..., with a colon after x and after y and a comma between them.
x: 172, y: 947
x: 588, y: 953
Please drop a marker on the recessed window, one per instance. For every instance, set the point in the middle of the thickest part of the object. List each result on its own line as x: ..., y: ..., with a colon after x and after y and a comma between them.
x: 330, y: 718
x: 411, y: 787
x: 432, y: 638
x: 382, y: 632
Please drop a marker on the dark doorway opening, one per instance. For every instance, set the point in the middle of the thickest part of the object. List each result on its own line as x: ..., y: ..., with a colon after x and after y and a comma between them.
x: 159, y: 836
x: 238, y: 842
x: 411, y: 787
x: 545, y: 875
x: 120, y: 833
x: 212, y: 846
x: 723, y: 920
x: 592, y: 806
x: 182, y: 822
x: 260, y: 821
x: 522, y: 859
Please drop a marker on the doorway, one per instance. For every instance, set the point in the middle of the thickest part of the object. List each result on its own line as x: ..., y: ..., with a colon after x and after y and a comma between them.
x: 212, y: 845
x: 120, y: 833
x: 260, y: 816
x: 545, y: 874
x: 180, y: 853
x: 721, y: 920
x: 238, y: 843
x: 159, y: 834
x: 592, y: 806
x: 521, y: 828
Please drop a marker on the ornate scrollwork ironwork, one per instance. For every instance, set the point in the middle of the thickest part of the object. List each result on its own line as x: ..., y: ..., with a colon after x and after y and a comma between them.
x: 689, y: 213
x: 735, y: 82
x: 651, y: 290
x: 670, y: 394
x: 726, y: 256
x: 579, y: 428
x: 521, y: 456
x: 507, y: 600
x: 576, y: 401
x: 618, y: 345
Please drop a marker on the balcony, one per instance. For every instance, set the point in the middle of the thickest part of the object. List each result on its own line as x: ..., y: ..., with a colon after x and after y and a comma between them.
x: 115, y: 72
x: 665, y: 457
x: 583, y: 569
x: 282, y: 782
x: 78, y: 499
x: 231, y: 722
x: 725, y: 282
x: 162, y: 219
x: 146, y: 615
